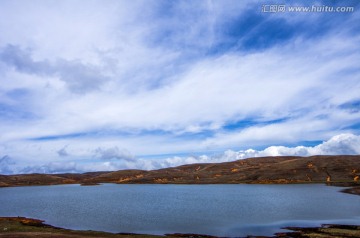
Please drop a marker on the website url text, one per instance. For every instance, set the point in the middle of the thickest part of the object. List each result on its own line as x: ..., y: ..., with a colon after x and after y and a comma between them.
x: 284, y: 8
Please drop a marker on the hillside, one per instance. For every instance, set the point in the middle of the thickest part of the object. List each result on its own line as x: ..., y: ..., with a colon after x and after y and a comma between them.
x: 287, y: 169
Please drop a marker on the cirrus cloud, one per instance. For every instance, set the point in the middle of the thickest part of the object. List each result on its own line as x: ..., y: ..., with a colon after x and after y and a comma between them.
x: 79, y: 81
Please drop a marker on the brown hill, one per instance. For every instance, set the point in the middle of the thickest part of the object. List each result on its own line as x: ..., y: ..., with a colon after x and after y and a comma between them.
x: 285, y: 169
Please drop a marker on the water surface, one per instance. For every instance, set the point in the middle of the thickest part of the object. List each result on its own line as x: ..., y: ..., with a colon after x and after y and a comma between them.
x: 222, y: 210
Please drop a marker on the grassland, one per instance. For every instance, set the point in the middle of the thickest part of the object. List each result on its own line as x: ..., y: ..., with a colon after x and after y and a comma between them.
x: 21, y: 227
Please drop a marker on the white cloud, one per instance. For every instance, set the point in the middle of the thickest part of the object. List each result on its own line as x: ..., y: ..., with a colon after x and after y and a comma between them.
x: 346, y: 144
x: 113, y: 158
x: 156, y: 79
x: 343, y: 144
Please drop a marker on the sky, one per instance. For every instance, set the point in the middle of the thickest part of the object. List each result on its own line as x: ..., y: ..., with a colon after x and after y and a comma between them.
x: 105, y: 85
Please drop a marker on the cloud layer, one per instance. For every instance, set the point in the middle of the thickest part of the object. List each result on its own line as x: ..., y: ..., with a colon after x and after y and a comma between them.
x: 81, y: 83
x: 115, y: 159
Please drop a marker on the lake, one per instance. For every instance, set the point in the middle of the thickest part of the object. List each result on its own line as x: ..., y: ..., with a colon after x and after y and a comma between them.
x: 221, y: 210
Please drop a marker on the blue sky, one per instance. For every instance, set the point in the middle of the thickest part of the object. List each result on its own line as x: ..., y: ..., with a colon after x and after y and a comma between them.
x: 105, y: 85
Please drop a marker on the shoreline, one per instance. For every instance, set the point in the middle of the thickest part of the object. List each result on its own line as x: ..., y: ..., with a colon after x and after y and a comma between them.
x: 16, y: 227
x: 339, y: 169
x: 351, y: 187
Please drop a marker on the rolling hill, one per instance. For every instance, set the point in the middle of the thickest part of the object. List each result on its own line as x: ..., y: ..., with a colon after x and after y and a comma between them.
x: 272, y: 170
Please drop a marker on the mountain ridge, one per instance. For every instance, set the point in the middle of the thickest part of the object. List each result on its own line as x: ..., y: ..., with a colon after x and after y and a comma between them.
x: 261, y: 170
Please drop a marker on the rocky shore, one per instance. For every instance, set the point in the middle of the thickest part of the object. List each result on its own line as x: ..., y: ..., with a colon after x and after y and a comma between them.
x: 353, y: 190
x: 21, y: 227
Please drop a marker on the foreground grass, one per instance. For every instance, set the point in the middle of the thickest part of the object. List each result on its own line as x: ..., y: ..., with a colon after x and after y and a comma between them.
x: 19, y: 227
x: 16, y: 227
x: 325, y: 231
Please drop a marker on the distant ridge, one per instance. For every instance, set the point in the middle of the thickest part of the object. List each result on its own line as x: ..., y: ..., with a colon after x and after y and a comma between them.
x: 260, y: 170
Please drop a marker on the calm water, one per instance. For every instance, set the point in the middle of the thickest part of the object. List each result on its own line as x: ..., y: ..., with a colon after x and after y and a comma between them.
x: 223, y: 210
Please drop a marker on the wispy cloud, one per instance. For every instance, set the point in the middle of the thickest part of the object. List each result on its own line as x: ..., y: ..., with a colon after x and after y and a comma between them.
x: 79, y: 77
x: 62, y: 152
x: 160, y: 77
x: 113, y: 153
x: 6, y: 164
